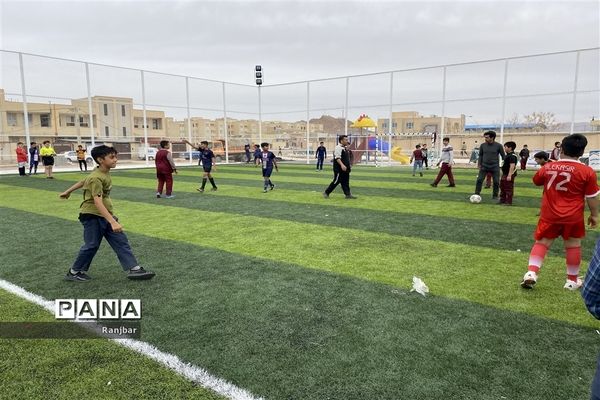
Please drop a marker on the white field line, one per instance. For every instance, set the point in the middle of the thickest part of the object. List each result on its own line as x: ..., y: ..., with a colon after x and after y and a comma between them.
x: 193, y: 373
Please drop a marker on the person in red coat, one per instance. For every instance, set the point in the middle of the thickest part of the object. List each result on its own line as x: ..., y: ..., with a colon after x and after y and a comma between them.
x: 21, y: 158
x: 165, y: 167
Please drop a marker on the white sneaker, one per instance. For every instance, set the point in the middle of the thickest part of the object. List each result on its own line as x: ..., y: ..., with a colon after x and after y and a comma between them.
x: 529, y: 280
x: 572, y: 285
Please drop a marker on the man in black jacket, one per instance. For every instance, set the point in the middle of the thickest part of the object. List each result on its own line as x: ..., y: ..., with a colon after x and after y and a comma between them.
x: 489, y: 161
x: 341, y: 168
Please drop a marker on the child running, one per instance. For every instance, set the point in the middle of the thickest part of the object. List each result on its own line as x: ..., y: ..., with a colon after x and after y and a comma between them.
x: 96, y: 216
x: 567, y: 182
x: 208, y: 162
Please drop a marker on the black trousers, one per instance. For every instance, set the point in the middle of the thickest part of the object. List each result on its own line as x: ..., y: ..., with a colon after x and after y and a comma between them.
x: 340, y: 178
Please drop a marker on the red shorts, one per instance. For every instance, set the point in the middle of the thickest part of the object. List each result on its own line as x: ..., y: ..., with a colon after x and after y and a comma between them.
x: 546, y: 230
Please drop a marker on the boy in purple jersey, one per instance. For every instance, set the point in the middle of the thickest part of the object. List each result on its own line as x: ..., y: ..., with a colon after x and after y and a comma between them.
x: 267, y: 159
x: 207, y: 160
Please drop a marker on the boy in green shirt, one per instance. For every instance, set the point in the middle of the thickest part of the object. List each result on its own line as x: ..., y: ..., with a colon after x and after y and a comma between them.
x: 96, y: 215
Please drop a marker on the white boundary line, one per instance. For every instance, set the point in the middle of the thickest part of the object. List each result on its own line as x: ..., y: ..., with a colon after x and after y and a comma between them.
x: 193, y: 373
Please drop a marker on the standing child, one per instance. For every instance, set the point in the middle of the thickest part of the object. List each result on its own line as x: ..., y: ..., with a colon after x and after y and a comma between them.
x: 257, y: 155
x: 509, y: 173
x: 96, y: 216
x: 165, y: 167
x: 417, y: 158
x: 21, y: 158
x: 268, y: 162
x: 524, y: 154
x: 541, y: 158
x: 34, y: 158
x: 48, y: 154
x: 446, y: 160
x: 566, y: 183
x: 81, y: 157
x: 425, y: 156
x: 320, y: 155
x: 208, y: 161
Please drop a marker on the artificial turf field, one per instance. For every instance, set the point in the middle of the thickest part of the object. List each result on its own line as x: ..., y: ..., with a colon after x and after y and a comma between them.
x: 292, y: 296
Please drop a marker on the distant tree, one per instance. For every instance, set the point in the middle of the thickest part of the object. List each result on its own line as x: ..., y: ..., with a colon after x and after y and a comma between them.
x: 543, y: 121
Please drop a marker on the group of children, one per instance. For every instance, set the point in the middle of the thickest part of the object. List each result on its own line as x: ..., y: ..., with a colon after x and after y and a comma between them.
x: 568, y: 185
x: 46, y: 153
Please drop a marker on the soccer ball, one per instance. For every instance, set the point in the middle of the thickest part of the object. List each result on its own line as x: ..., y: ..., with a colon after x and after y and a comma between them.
x: 475, y: 199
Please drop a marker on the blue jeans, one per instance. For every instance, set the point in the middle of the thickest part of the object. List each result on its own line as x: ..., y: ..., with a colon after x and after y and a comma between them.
x: 418, y: 164
x: 320, y: 162
x: 94, y: 229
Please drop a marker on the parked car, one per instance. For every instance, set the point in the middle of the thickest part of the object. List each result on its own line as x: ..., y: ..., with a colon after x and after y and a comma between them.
x: 71, y: 157
x: 151, y: 153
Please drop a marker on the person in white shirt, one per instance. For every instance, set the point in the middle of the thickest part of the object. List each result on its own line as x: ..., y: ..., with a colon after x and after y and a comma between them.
x: 446, y: 160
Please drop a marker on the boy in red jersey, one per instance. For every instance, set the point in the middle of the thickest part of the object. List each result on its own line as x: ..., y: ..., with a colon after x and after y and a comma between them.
x: 21, y: 158
x: 566, y: 183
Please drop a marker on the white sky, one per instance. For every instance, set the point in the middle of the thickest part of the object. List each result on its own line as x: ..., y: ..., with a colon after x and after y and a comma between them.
x: 296, y: 41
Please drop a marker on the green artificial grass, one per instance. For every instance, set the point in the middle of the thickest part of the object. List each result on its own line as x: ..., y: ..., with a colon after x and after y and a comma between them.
x: 293, y: 296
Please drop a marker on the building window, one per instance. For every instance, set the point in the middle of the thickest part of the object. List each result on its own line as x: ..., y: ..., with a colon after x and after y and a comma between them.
x: 155, y: 123
x: 82, y: 122
x: 105, y: 109
x: 122, y: 110
x: 11, y: 119
x: 106, y: 131
x: 410, y: 125
x: 124, y: 131
x: 45, y: 120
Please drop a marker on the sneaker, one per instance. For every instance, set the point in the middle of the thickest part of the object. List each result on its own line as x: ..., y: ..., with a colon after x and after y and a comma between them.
x: 171, y: 196
x: 272, y: 187
x: 213, y: 189
x: 351, y: 197
x: 140, y: 274
x: 432, y: 185
x: 572, y: 285
x: 200, y: 190
x: 158, y: 195
x: 420, y: 174
x: 325, y: 195
x: 451, y: 186
x: 487, y: 187
x: 77, y: 277
x: 265, y: 191
x: 529, y: 280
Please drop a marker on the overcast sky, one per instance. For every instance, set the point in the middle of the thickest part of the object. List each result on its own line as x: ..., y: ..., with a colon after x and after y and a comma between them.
x: 297, y: 41
x: 294, y: 40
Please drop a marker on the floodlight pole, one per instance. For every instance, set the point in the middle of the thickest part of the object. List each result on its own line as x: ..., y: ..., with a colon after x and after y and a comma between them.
x: 189, y: 122
x: 145, y: 117
x: 443, y: 130
x: 25, y: 110
x: 574, y: 94
x: 504, y: 101
x: 390, y: 119
x: 307, y: 122
x: 259, y: 117
x: 346, y: 108
x: 225, y: 126
x: 90, y: 108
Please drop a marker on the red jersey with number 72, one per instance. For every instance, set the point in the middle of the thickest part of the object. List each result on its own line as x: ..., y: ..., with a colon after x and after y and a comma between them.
x: 566, y: 185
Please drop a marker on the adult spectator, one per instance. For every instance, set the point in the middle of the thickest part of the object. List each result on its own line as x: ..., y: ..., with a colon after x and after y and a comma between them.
x: 555, y: 153
x: 524, y: 156
x: 489, y: 162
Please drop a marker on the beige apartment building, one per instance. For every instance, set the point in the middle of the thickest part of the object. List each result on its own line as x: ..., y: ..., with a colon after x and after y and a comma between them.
x: 412, y: 122
x: 116, y: 122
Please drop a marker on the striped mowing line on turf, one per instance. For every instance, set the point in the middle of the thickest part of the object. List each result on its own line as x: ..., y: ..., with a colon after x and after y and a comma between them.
x: 189, y: 371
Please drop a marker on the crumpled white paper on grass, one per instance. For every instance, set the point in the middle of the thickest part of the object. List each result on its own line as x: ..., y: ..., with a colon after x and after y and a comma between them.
x: 419, y: 286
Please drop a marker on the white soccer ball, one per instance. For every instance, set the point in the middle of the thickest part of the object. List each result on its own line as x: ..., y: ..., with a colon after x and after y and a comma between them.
x: 475, y: 199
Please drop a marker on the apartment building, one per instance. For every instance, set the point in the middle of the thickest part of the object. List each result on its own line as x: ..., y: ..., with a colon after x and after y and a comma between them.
x: 413, y: 122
